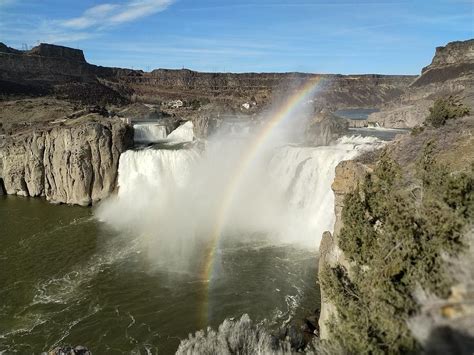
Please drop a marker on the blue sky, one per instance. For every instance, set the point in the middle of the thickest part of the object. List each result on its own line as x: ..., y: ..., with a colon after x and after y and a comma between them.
x: 321, y: 36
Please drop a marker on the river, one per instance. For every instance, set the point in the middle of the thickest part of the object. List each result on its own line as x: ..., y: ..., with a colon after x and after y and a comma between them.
x: 188, y: 241
x: 68, y: 279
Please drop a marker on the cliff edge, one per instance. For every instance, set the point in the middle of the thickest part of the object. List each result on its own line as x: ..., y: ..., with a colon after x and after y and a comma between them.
x: 67, y: 162
x: 451, y: 72
x: 396, y: 275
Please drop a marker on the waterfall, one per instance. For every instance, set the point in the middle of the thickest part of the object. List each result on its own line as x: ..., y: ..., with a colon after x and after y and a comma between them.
x: 306, y: 175
x: 151, y: 183
x: 148, y: 132
x: 161, y: 169
x: 184, y: 133
x: 172, y: 198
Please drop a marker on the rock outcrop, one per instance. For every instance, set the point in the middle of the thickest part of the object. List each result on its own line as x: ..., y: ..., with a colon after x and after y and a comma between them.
x: 325, y: 128
x: 204, y: 125
x: 450, y: 73
x: 61, y: 71
x: 53, y: 50
x: 453, y: 150
x: 449, y: 62
x: 348, y: 175
x: 74, y: 163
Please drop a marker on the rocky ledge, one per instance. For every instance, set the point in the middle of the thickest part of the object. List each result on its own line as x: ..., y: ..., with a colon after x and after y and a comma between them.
x: 67, y: 162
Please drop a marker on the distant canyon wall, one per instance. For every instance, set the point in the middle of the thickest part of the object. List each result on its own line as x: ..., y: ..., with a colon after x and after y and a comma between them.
x: 451, y: 72
x: 49, y: 69
x: 337, y: 91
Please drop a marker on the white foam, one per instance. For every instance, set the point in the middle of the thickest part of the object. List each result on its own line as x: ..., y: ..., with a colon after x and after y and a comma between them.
x: 175, y: 198
x: 306, y: 174
x: 184, y: 133
x: 148, y: 132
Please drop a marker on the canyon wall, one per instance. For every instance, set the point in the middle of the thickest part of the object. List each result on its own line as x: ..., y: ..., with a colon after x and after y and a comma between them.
x: 380, y: 241
x: 64, y: 72
x: 337, y: 91
x: 348, y: 175
x: 450, y: 73
x: 60, y: 71
x: 75, y: 163
x: 404, y: 100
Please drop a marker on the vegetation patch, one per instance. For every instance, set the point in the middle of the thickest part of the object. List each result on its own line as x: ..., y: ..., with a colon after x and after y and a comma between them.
x: 395, y: 238
x: 445, y: 109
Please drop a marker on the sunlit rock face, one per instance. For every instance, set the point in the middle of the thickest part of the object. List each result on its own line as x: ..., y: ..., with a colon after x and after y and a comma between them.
x: 325, y: 128
x: 348, y: 175
x: 74, y: 164
x: 451, y: 72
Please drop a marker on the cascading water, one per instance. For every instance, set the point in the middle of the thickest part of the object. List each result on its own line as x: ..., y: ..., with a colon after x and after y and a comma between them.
x: 149, y: 132
x: 172, y: 197
x: 184, y: 133
x: 279, y: 212
x: 156, y: 168
x: 139, y: 286
x: 306, y: 175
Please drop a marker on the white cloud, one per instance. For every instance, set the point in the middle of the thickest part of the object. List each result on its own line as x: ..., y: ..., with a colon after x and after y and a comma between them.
x: 91, y: 23
x: 91, y: 17
x: 105, y: 15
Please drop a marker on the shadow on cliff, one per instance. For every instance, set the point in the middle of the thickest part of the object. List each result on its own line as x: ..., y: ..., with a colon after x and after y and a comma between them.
x: 445, y: 340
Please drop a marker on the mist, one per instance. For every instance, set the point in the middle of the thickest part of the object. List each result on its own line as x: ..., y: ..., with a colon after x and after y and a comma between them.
x: 172, y: 199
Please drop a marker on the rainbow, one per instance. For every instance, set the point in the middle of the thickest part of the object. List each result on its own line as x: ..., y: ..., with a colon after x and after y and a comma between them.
x: 287, y: 110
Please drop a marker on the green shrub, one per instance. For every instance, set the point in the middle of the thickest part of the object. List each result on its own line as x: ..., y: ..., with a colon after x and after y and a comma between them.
x: 445, y: 109
x: 417, y: 130
x: 195, y: 104
x: 394, y: 239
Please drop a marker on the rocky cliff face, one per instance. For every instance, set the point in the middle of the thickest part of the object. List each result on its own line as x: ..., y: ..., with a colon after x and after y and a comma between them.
x: 450, y: 73
x: 61, y: 71
x: 348, y: 175
x: 325, y: 128
x: 49, y: 69
x: 454, y: 53
x: 339, y: 91
x: 50, y: 50
x: 74, y: 163
x: 438, y: 324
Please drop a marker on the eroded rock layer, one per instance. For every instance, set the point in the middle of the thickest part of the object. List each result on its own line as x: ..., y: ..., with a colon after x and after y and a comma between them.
x: 75, y: 163
x: 450, y: 73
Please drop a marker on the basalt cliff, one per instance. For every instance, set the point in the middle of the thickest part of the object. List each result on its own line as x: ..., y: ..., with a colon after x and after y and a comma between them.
x: 66, y: 162
x: 450, y: 73
x: 395, y: 275
x: 63, y: 72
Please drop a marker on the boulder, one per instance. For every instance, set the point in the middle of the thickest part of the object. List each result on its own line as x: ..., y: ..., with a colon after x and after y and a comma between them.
x: 325, y: 128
